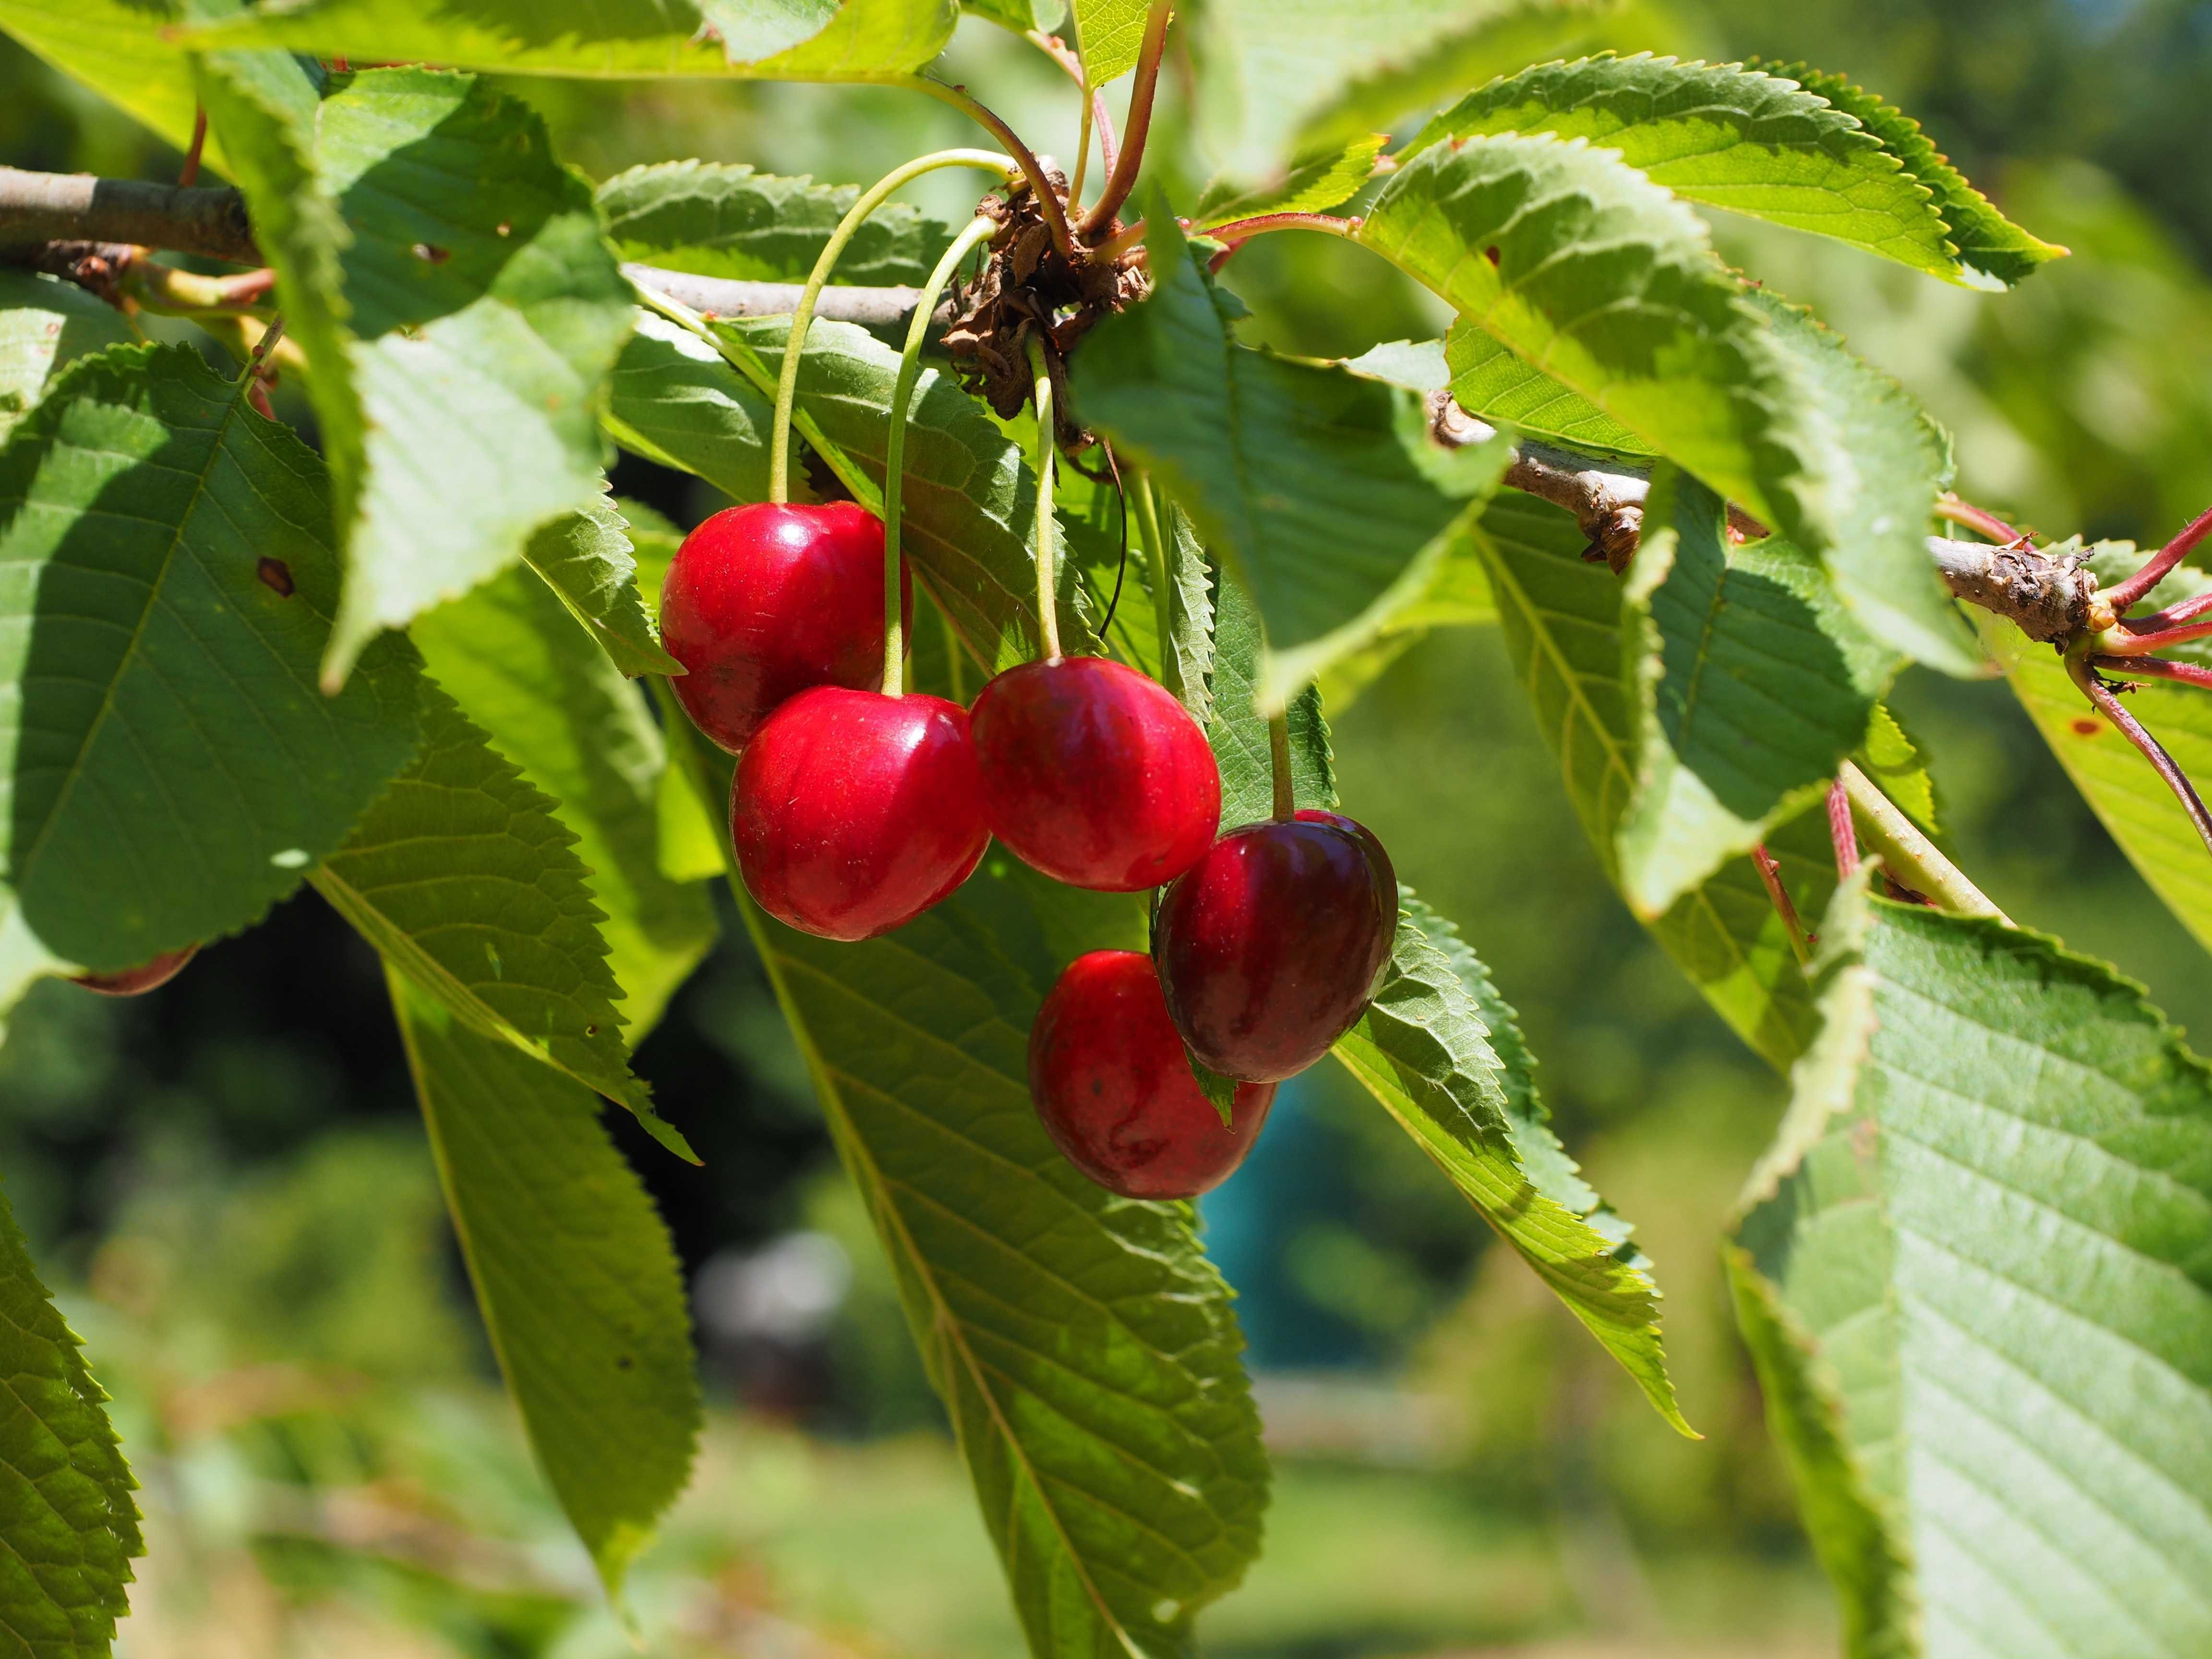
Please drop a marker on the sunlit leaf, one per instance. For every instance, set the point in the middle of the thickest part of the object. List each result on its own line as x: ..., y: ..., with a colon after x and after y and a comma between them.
x: 723, y: 219
x: 120, y: 49
x: 46, y: 325
x: 1111, y: 35
x: 585, y: 560
x: 1314, y: 183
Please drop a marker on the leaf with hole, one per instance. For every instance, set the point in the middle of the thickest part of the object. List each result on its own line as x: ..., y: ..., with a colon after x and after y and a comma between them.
x: 1975, y: 1271
x: 168, y: 769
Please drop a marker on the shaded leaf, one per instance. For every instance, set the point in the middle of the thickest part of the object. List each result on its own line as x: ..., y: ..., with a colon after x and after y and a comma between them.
x: 463, y: 878
x: 574, y: 1275
x: 1753, y: 682
x: 168, y: 769
x: 557, y: 707
x: 585, y: 560
x: 46, y: 325
x: 460, y: 308
x: 723, y: 219
x: 1987, y: 241
x: 1731, y: 137
x: 69, y: 1527
x: 1562, y: 622
x: 673, y: 400
x: 1323, y: 488
x: 1425, y: 1050
x: 1979, y: 1260
x: 814, y: 39
x: 1611, y: 286
x: 1313, y: 183
x: 1238, y: 731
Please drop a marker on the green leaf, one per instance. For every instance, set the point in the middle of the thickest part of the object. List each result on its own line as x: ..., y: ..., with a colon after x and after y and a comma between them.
x: 654, y: 540
x: 1111, y: 36
x: 1885, y: 459
x: 463, y: 878
x: 2129, y: 798
x: 1987, y: 241
x: 119, y: 48
x: 1979, y: 1259
x: 1082, y: 1344
x: 459, y: 308
x: 574, y: 1275
x: 587, y: 561
x: 168, y: 769
x: 1238, y: 731
x: 1562, y: 622
x: 673, y: 400
x: 1323, y: 488
x: 717, y: 219
x: 46, y: 325
x: 1894, y: 761
x: 1019, y: 16
x: 557, y: 707
x: 1314, y: 183
x: 1730, y: 138
x: 1753, y: 682
x: 1611, y: 285
x: 67, y: 1523
x: 1489, y: 380
x: 810, y: 40
x: 1425, y: 1050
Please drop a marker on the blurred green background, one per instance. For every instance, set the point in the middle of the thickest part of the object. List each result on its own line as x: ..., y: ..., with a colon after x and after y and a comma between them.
x: 227, y: 1181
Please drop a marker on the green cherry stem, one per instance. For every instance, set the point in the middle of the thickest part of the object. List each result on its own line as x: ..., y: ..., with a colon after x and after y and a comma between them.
x: 1156, y: 553
x: 802, y: 317
x: 1046, y: 452
x: 1909, y: 856
x: 1279, y: 758
x: 909, y: 371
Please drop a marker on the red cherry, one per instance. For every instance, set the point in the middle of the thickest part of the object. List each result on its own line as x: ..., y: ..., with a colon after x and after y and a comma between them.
x: 1094, y: 774
x: 1114, y: 1088
x: 136, y: 981
x: 1269, y: 946
x: 854, y: 812
x: 765, y: 601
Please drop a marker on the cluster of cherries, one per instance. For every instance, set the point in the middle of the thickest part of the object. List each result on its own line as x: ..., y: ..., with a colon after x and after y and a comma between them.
x: 852, y: 811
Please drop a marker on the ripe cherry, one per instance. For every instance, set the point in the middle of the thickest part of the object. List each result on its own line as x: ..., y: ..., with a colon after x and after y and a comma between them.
x: 854, y: 812
x: 1114, y: 1089
x: 1094, y: 774
x: 1270, y: 945
x: 764, y: 601
x: 146, y: 976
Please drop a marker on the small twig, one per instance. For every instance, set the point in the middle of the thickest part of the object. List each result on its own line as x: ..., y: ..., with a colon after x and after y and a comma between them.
x: 1949, y: 506
x: 1908, y: 854
x: 2131, y: 644
x: 2172, y: 616
x: 1770, y: 872
x: 2154, y: 751
x: 1238, y: 232
x: 1123, y: 178
x: 1095, y: 115
x: 189, y: 174
x: 1842, y: 832
x: 2155, y: 568
x: 2156, y: 668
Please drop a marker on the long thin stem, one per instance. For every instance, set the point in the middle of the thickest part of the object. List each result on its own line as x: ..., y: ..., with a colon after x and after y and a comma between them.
x: 909, y: 371
x: 2142, y: 645
x: 1949, y: 506
x: 1047, y: 453
x: 2172, y: 616
x: 189, y: 174
x: 1909, y: 855
x: 1094, y: 108
x: 1279, y: 757
x: 1123, y: 178
x: 1156, y: 553
x: 802, y: 315
x: 1082, y: 150
x: 1770, y: 874
x: 1238, y: 232
x: 1055, y: 216
x: 2164, y: 560
x: 2155, y: 668
x: 1842, y: 832
x: 2153, y: 750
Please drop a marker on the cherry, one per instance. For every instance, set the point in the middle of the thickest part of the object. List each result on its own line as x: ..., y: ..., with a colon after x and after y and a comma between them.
x: 1094, y: 774
x: 1270, y: 945
x: 764, y: 601
x: 1115, y: 1090
x: 136, y: 981
x: 854, y: 812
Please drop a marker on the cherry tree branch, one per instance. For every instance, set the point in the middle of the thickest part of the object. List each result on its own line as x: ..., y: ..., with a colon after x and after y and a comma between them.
x: 37, y: 207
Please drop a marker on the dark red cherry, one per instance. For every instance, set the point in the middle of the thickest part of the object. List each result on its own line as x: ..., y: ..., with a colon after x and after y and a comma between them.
x: 1270, y: 945
x: 765, y: 601
x: 854, y: 812
x: 1094, y: 774
x: 136, y: 981
x: 1114, y: 1088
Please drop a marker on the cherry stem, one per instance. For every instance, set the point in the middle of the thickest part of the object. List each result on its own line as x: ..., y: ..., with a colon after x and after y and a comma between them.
x: 1055, y: 213
x: 909, y: 371
x: 1842, y: 832
x: 1123, y: 178
x: 1094, y: 108
x: 1082, y: 149
x: 1770, y: 872
x: 188, y: 174
x: 2143, y: 644
x: 2155, y: 571
x: 1238, y: 232
x: 1156, y: 552
x: 2153, y: 751
x: 2156, y: 668
x: 802, y: 316
x: 2172, y: 616
x: 1949, y: 506
x: 1279, y: 757
x: 1047, y: 453
x: 1910, y: 856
